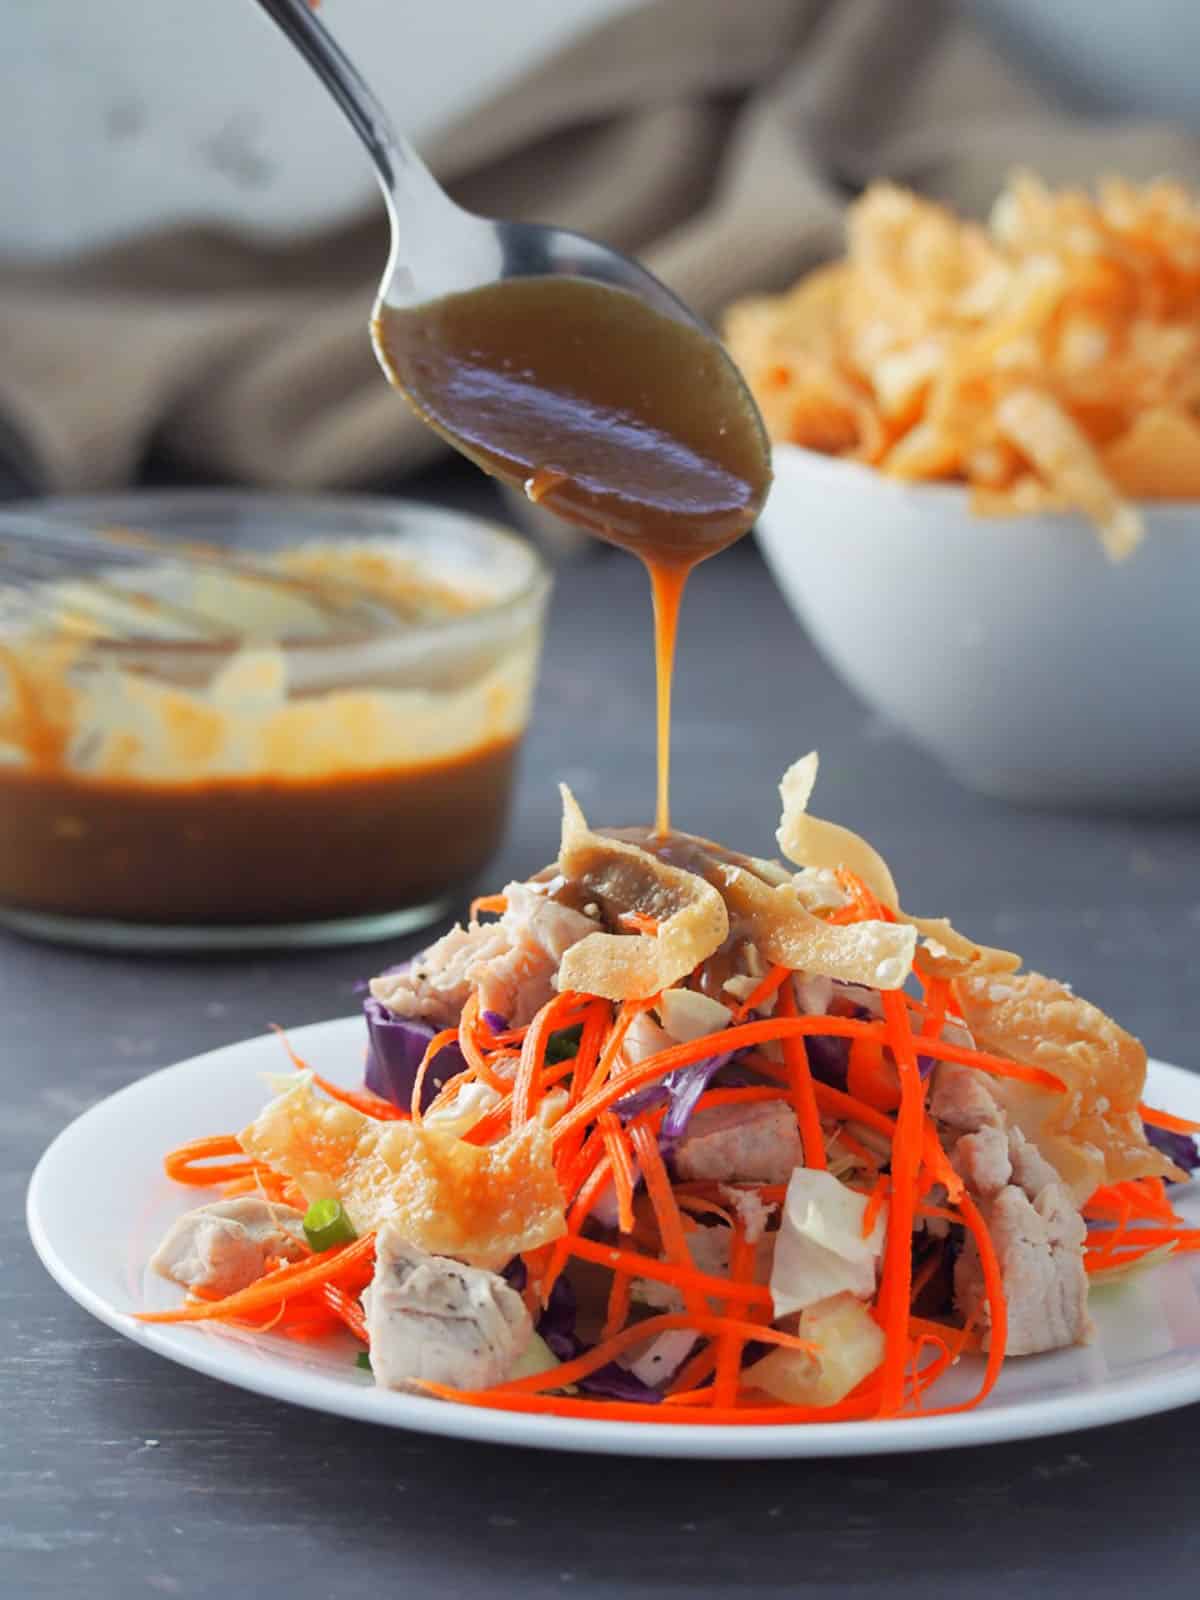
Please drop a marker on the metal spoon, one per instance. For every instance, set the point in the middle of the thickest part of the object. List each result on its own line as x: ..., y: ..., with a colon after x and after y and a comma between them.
x: 438, y: 248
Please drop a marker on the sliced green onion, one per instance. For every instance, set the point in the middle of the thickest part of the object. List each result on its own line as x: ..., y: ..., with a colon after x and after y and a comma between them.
x: 326, y: 1225
x: 563, y: 1044
x: 363, y: 1362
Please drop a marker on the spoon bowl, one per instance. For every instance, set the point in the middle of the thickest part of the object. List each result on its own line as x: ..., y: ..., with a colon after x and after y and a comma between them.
x: 438, y: 248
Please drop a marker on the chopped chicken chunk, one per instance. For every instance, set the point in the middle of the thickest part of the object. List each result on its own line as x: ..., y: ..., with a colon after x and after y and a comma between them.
x: 435, y: 1319
x: 754, y: 1143
x: 1039, y: 1243
x: 1034, y: 1223
x: 223, y: 1247
x: 512, y: 963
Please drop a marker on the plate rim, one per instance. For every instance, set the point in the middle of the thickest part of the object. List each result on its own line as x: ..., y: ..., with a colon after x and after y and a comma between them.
x: 213, y: 1357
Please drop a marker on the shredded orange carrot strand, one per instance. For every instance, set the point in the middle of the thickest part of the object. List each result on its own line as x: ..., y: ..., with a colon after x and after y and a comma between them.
x: 839, y: 1104
x: 683, y: 1055
x: 864, y: 902
x: 600, y: 1355
x: 496, y: 904
x: 895, y: 1292
x: 702, y: 1284
x: 876, y: 1203
x: 937, y: 1163
x: 856, y: 1148
x: 599, y: 1179
x: 868, y: 1078
x: 438, y: 1043
x: 662, y: 1197
x: 732, y: 1342
x: 854, y: 1408
x: 527, y: 1085
x: 371, y: 1105
x: 1183, y: 1237
x: 621, y: 1160
x: 1164, y: 1119
x: 617, y: 1314
x: 999, y: 1066
x: 923, y: 1274
x: 639, y: 923
x: 347, y: 1309
x: 993, y: 1284
x: 800, y: 1084
x: 304, y: 1275
x: 470, y: 1025
x: 774, y: 980
x: 181, y: 1165
x: 692, y: 1374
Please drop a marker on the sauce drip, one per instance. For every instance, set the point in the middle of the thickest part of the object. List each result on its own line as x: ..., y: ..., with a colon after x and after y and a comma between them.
x: 617, y: 418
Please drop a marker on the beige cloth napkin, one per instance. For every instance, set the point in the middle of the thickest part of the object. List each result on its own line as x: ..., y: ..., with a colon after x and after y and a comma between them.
x: 717, y: 139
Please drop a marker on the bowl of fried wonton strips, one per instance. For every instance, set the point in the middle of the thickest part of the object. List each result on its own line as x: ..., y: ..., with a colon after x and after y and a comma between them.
x: 986, y: 507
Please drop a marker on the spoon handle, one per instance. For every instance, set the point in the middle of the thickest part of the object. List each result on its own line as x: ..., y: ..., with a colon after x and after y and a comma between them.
x: 408, y: 185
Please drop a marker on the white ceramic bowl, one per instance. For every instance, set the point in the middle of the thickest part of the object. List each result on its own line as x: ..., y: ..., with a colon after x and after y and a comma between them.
x: 1010, y: 648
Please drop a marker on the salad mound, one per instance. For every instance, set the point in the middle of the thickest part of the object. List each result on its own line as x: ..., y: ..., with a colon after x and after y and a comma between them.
x: 671, y: 1133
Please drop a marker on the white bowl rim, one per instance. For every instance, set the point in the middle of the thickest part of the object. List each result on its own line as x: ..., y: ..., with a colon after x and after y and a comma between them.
x: 938, y: 489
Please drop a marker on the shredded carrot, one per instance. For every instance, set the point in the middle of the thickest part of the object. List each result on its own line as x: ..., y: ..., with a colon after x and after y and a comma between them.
x: 732, y: 1342
x: 924, y: 1274
x: 662, y: 1197
x: 304, y: 1275
x: 853, y: 1408
x: 371, y: 1105
x: 937, y: 1163
x: 856, y: 1148
x: 639, y: 923
x: 695, y: 1371
x: 496, y: 904
x: 527, y: 1085
x: 599, y: 1179
x: 774, y: 980
x: 1145, y: 1197
x: 1164, y: 1119
x: 621, y: 1161
x: 499, y: 1119
x: 617, y: 1314
x: 608, y: 1350
x: 875, y: 1204
x: 438, y: 1043
x: 800, y: 1083
x: 683, y: 1055
x: 868, y: 1078
x: 993, y: 1284
x: 702, y: 1284
x: 937, y: 999
x: 895, y: 1291
x: 469, y: 1025
x: 181, y: 1165
x: 1183, y: 1238
x: 868, y: 907
x: 999, y: 1066
x: 347, y: 1309
x: 839, y: 1104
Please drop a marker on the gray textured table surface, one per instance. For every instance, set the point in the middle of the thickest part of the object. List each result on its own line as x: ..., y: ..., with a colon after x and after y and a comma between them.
x: 123, y: 1475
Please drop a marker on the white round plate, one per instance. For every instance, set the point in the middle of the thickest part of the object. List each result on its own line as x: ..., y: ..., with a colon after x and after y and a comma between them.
x: 1146, y: 1356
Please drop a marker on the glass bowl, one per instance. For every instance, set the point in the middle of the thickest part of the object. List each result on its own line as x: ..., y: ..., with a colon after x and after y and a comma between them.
x: 292, y: 787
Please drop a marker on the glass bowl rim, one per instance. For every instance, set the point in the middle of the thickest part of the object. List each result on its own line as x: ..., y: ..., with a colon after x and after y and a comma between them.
x: 116, y: 505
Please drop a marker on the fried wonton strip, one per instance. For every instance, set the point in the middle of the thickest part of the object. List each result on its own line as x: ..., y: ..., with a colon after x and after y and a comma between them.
x: 1093, y: 1134
x: 483, y: 1204
x: 689, y: 915
x: 809, y: 842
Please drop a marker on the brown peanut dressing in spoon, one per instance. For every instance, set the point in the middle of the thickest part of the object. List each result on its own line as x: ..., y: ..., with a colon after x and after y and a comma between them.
x: 615, y: 417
